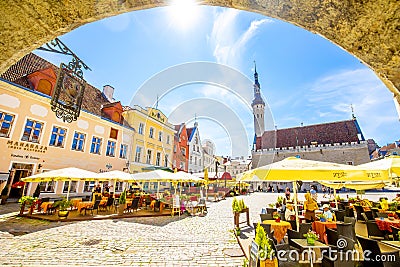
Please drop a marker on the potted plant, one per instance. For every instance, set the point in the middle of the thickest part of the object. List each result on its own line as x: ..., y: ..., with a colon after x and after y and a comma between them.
x: 63, y: 206
x: 266, y: 254
x: 237, y: 231
x: 322, y: 217
x: 277, y: 217
x: 4, y: 196
x: 279, y: 202
x: 27, y: 201
x: 122, y: 202
x: 311, y: 236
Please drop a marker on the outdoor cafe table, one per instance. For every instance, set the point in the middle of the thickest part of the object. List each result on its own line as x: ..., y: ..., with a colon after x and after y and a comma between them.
x: 75, y: 202
x: 279, y: 228
x: 46, y: 205
x: 320, y: 228
x: 153, y: 202
x: 385, y: 224
x: 83, y: 205
x: 303, y: 243
x: 395, y: 244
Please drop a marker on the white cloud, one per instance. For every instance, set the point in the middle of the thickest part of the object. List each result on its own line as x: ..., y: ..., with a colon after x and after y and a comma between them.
x: 227, y: 41
x: 331, y: 97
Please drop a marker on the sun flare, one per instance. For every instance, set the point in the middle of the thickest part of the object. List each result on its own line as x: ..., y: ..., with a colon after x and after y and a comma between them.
x: 184, y: 13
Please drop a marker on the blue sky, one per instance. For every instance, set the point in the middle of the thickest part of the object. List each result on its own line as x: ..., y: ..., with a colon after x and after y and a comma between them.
x: 304, y: 77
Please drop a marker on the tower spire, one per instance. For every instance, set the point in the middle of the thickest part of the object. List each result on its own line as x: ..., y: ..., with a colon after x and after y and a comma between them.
x: 352, y: 112
x: 256, y: 74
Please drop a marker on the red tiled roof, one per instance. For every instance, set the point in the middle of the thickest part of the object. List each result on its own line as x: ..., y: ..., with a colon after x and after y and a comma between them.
x: 326, y: 133
x: 17, y: 73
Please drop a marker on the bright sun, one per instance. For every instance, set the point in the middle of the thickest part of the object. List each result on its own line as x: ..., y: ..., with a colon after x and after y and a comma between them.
x: 183, y: 13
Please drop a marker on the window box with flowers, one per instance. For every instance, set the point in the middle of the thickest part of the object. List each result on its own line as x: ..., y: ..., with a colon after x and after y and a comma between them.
x: 311, y: 236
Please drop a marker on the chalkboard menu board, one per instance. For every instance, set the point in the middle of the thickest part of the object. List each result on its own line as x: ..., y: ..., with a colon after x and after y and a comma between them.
x: 253, y: 254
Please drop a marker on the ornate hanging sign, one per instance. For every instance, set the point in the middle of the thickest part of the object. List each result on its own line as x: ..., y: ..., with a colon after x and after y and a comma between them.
x: 67, y: 97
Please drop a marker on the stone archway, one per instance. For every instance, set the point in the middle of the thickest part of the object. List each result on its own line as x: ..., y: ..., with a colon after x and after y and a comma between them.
x: 368, y: 29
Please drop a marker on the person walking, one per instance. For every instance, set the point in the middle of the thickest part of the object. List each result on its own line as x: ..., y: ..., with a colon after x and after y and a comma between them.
x: 310, y: 206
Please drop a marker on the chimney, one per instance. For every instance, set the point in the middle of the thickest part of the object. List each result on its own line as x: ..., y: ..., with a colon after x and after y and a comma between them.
x: 108, y: 91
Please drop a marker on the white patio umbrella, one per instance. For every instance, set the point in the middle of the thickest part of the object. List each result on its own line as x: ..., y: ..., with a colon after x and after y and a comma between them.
x: 65, y: 174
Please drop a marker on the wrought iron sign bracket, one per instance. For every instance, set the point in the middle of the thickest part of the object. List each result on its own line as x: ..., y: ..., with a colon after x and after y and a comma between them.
x: 66, y: 100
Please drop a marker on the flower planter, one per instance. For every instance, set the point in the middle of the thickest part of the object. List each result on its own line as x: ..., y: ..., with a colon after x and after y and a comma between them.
x: 310, y: 241
x: 63, y: 214
x: 277, y: 219
x: 121, y: 209
x: 269, y: 263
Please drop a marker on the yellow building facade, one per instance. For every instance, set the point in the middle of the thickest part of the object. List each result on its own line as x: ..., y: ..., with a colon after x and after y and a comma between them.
x: 34, y: 140
x: 154, y: 139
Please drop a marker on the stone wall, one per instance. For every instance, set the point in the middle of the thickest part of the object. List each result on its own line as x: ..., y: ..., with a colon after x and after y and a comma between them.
x: 369, y: 29
x: 338, y: 153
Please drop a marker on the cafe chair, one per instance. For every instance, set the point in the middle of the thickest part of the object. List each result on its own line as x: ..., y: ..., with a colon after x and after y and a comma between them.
x: 304, y: 228
x: 134, y: 205
x: 373, y: 231
x: 293, y: 224
x: 349, y: 212
x: 345, y: 229
x: 332, y: 236
x: 374, y: 212
x: 359, y: 211
x: 373, y: 248
x: 340, y: 256
x: 266, y: 216
x: 340, y: 215
x: 271, y: 210
x: 382, y: 215
x: 157, y: 205
x: 395, y: 233
x: 176, y: 206
x: 351, y: 220
x: 94, y: 207
x: 294, y: 235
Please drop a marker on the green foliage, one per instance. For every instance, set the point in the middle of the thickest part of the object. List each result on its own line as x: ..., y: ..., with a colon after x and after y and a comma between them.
x: 122, y: 198
x: 264, y: 246
x: 27, y: 200
x: 393, y: 206
x: 279, y: 200
x: 63, y: 204
x: 238, y: 205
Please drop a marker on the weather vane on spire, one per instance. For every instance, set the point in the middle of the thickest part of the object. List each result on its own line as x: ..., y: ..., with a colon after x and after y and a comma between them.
x: 352, y: 111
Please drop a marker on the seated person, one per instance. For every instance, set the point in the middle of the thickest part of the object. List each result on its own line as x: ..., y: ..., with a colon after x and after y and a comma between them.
x: 328, y: 214
x: 290, y: 214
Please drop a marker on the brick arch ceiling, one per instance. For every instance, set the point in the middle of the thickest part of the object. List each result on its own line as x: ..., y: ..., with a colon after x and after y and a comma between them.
x: 367, y: 29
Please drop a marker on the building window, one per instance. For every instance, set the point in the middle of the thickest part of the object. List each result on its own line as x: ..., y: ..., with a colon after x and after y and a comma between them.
x: 57, y: 137
x: 110, y: 149
x: 141, y: 127
x: 78, y: 142
x: 151, y: 133
x: 174, y: 148
x: 122, y: 151
x: 168, y: 139
x: 191, y: 159
x: 350, y: 163
x: 148, y: 158
x: 160, y: 136
x: 158, y: 159
x: 182, y: 167
x: 47, y: 186
x: 73, y: 186
x: 96, y: 145
x: 118, y: 186
x: 88, y: 186
x: 183, y: 151
x: 6, y: 122
x: 200, y: 162
x: 166, y: 160
x: 138, y: 154
x: 194, y: 148
x: 32, y: 131
x: 195, y: 160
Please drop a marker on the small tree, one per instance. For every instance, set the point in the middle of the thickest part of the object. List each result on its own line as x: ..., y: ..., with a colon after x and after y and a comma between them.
x: 265, y: 249
x: 122, y: 198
